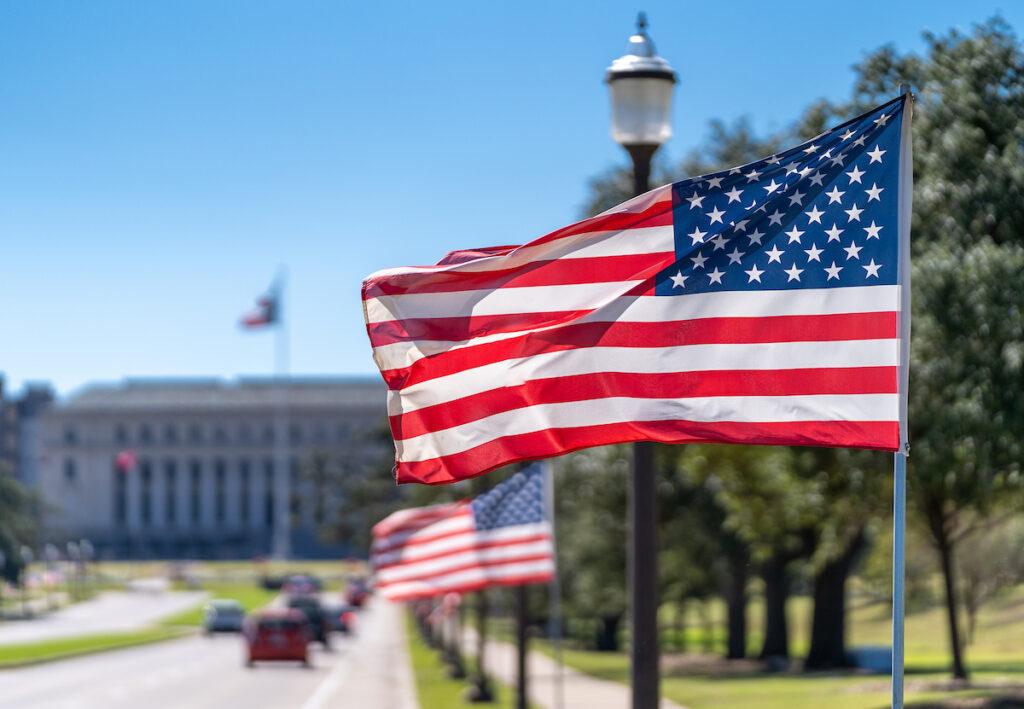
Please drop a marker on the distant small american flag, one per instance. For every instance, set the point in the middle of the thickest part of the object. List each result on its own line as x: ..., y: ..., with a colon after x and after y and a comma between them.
x: 500, y: 538
x: 757, y: 305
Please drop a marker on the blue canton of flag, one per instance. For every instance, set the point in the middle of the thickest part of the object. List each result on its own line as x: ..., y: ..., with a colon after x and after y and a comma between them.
x: 821, y: 215
x: 518, y: 500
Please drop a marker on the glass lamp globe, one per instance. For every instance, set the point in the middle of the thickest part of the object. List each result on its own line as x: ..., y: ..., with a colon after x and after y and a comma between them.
x: 641, y: 85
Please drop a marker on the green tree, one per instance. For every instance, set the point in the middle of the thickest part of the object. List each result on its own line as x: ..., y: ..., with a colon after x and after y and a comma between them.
x: 967, y: 406
x: 590, y: 497
x: 19, y: 523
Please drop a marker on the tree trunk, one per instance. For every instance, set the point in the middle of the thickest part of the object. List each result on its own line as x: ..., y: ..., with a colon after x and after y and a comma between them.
x: 945, y: 547
x: 607, y: 639
x: 736, y: 601
x: 776, y: 593
x: 828, y: 622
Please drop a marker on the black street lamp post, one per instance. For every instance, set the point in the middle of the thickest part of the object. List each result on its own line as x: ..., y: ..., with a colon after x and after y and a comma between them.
x: 641, y: 85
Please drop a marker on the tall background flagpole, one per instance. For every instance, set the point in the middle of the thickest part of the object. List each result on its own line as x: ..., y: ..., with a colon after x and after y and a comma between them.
x: 899, y: 497
x: 281, y: 543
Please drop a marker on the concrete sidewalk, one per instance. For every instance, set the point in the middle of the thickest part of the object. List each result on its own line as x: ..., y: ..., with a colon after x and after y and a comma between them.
x: 580, y: 691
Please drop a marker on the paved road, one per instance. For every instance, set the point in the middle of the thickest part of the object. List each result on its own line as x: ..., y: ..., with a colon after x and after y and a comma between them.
x: 111, y: 611
x: 370, y: 670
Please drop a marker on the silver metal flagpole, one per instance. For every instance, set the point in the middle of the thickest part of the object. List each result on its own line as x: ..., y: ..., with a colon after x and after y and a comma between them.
x: 899, y: 521
x: 899, y: 501
x: 555, y: 589
x: 281, y: 542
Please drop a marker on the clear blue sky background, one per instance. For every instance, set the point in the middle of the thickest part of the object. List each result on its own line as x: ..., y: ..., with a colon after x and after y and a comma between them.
x: 158, y: 160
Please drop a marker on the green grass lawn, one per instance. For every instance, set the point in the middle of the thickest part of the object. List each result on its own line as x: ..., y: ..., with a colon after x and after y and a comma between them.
x: 433, y: 686
x: 995, y: 658
x: 19, y: 654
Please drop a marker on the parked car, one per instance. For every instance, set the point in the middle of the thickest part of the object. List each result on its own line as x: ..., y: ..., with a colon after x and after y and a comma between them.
x: 223, y: 615
x: 277, y: 635
x: 340, y: 617
x: 311, y: 609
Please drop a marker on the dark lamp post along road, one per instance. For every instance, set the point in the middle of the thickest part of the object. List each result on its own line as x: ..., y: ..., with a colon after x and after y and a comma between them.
x: 641, y: 85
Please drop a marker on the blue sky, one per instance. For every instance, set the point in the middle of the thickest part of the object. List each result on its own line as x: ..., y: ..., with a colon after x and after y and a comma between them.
x: 159, y: 160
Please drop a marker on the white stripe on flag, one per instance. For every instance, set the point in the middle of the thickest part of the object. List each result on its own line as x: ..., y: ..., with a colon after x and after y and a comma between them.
x: 469, y: 577
x: 743, y: 409
x: 645, y: 308
x: 641, y: 360
x: 485, y: 556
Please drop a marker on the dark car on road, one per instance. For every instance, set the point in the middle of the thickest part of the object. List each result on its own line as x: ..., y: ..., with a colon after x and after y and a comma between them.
x: 223, y: 615
x: 340, y: 617
x: 301, y: 585
x: 310, y: 607
x: 277, y: 635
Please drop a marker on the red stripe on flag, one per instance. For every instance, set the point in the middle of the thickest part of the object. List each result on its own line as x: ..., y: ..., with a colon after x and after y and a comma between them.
x: 703, y: 331
x: 587, y: 387
x: 657, y: 214
x: 460, y: 329
x: 522, y: 580
x: 595, y: 269
x: 408, y: 521
x: 471, y: 546
x: 877, y: 435
x: 382, y: 584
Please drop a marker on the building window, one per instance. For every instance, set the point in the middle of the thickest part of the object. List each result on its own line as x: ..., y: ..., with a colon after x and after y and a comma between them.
x: 146, y: 502
x: 295, y: 433
x: 195, y: 433
x: 268, y: 434
x: 220, y: 475
x: 243, y: 499
x: 220, y: 435
x: 195, y: 491
x: 170, y: 434
x: 171, y: 492
x: 121, y: 434
x: 294, y: 499
x: 320, y: 434
x: 70, y: 471
x: 70, y: 436
x: 120, y: 495
x: 268, y: 493
x: 145, y: 433
x: 244, y: 433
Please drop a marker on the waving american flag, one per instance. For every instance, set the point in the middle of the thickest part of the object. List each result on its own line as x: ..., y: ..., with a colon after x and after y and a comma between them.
x: 501, y: 538
x: 766, y: 304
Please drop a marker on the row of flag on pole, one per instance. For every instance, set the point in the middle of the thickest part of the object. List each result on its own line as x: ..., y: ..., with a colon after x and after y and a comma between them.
x: 500, y: 538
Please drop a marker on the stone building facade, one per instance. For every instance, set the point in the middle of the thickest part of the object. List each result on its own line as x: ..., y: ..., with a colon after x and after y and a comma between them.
x: 204, y: 459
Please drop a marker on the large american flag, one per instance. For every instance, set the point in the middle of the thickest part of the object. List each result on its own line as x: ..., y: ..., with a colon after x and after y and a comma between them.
x: 757, y: 305
x: 500, y: 538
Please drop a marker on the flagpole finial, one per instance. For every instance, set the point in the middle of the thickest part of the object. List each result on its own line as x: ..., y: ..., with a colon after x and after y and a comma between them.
x: 641, y: 22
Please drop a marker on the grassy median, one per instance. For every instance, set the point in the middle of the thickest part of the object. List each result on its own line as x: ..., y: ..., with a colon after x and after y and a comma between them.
x: 433, y: 685
x: 20, y: 654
